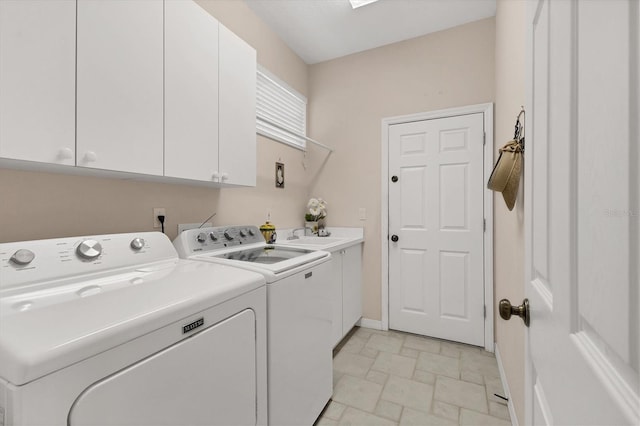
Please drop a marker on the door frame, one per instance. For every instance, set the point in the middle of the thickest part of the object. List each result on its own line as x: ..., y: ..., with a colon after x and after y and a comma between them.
x: 487, y: 110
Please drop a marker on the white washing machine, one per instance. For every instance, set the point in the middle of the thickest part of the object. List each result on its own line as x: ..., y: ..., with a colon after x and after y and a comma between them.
x: 116, y: 330
x: 299, y: 312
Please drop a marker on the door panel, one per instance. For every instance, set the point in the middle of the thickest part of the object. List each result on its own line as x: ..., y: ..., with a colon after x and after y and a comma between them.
x: 414, y: 197
x: 436, y: 284
x: 582, y: 213
x: 454, y: 279
x: 454, y: 209
x: 351, y: 287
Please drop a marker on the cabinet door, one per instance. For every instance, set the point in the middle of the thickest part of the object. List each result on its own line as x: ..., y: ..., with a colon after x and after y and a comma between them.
x: 300, y: 355
x: 237, y: 110
x: 120, y: 73
x: 351, y: 287
x: 191, y: 91
x: 335, y: 287
x: 37, y: 80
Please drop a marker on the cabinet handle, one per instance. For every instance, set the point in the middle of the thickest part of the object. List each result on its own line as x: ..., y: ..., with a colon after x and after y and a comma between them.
x: 90, y: 157
x: 65, y: 153
x: 215, y: 175
x: 224, y: 176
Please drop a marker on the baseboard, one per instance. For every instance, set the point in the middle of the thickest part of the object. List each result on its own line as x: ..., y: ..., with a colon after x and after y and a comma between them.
x: 369, y: 323
x: 505, y: 386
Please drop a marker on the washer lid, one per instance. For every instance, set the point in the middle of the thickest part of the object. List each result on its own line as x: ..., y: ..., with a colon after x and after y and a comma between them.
x: 52, y: 326
x: 273, y: 262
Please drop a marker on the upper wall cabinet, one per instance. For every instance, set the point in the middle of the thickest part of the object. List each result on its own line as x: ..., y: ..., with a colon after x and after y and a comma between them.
x: 37, y: 80
x: 120, y: 85
x: 237, y: 110
x: 191, y: 91
x: 150, y: 87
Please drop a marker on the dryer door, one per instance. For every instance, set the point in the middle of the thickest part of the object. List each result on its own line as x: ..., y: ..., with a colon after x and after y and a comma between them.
x: 206, y: 379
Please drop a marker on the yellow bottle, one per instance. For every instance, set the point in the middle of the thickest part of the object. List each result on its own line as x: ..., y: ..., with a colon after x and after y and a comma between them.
x: 268, y: 232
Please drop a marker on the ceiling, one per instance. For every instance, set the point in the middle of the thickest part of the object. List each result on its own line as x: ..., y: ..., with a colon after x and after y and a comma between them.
x: 319, y: 30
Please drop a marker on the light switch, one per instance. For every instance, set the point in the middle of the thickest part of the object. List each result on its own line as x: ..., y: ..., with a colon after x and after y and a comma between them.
x: 362, y: 212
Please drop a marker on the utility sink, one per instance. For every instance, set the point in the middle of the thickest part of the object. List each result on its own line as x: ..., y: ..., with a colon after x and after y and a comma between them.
x: 316, y: 241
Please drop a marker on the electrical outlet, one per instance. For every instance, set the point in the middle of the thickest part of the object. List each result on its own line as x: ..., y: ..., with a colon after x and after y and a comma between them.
x: 158, y: 211
x: 363, y: 213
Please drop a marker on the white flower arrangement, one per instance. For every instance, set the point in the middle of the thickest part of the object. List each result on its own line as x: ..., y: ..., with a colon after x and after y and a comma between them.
x: 317, y: 208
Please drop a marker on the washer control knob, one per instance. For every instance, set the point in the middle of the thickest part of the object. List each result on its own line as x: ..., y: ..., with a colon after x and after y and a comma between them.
x: 23, y: 257
x: 251, y: 232
x: 202, y: 237
x: 137, y: 244
x: 89, y: 249
x: 243, y: 233
x: 228, y: 236
x: 213, y: 236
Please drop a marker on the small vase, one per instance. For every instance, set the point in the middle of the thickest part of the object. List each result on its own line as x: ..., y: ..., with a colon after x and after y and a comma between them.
x: 311, y: 225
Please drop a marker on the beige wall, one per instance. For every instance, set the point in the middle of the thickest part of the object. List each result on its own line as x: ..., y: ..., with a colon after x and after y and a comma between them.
x: 43, y: 205
x: 349, y: 97
x: 509, y: 225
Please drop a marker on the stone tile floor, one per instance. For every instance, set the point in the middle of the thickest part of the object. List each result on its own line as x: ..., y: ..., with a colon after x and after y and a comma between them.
x: 395, y: 378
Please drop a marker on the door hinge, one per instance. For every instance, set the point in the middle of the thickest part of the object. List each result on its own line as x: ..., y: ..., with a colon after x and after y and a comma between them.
x: 484, y: 225
x: 484, y: 138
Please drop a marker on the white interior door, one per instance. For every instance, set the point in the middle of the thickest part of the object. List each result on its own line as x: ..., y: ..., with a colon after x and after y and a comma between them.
x: 436, y: 270
x: 581, y: 273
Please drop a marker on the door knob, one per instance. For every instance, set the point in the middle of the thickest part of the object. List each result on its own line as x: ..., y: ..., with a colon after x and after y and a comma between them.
x: 394, y: 238
x: 507, y: 309
x: 394, y: 178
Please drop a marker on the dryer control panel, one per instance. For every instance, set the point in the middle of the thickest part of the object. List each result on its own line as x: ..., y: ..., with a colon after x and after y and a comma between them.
x: 29, y: 262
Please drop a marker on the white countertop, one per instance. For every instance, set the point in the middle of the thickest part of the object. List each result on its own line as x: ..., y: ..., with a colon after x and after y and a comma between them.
x: 340, y: 238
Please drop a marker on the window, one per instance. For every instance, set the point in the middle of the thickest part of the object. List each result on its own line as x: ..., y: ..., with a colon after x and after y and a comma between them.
x: 281, y: 111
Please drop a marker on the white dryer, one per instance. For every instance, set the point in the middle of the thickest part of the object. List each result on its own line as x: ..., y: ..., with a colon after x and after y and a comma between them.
x: 116, y: 330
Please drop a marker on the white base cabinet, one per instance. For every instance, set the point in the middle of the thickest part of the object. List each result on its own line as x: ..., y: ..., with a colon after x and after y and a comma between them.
x: 346, y: 290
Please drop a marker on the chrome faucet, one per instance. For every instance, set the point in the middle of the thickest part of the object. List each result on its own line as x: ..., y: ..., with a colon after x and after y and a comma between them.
x: 293, y: 235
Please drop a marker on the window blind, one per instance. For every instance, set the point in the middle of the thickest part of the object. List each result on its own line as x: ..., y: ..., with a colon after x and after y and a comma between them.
x: 281, y: 111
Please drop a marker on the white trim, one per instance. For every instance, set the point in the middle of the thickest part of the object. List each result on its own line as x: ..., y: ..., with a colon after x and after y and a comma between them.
x: 369, y: 323
x: 505, y: 386
x: 487, y: 111
x: 609, y: 374
x: 530, y: 13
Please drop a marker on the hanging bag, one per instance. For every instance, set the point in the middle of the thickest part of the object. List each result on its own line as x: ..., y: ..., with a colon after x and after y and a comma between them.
x: 505, y: 176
